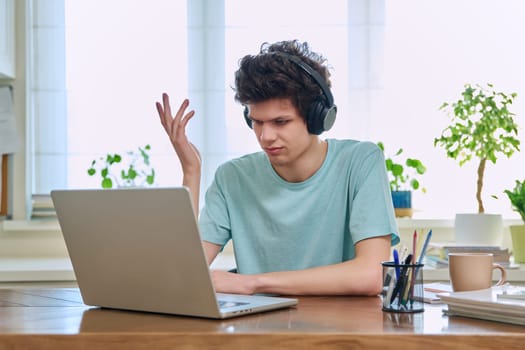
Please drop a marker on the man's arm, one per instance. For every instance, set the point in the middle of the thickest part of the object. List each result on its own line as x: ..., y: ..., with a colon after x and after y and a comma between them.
x: 211, y: 250
x: 359, y: 276
x: 189, y: 156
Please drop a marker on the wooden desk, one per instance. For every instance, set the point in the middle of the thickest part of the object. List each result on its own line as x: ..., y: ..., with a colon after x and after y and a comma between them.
x: 57, y: 319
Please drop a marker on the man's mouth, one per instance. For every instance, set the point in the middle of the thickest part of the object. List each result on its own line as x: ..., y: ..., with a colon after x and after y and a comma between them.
x: 273, y: 150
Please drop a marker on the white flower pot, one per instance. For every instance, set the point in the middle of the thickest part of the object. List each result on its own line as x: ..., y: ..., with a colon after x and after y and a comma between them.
x: 478, y: 229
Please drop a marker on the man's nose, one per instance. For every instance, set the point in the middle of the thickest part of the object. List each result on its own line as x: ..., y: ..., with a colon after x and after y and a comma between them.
x: 266, y: 133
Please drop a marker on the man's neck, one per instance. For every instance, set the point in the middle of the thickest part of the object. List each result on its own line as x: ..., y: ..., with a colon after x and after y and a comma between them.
x: 307, y: 165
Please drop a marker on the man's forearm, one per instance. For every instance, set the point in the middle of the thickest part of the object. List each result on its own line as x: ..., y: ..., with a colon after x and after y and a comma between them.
x: 349, y: 278
x: 192, y: 182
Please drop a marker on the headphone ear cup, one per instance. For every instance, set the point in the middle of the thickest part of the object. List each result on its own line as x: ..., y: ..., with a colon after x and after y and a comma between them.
x: 329, y: 117
x: 247, y: 117
x: 320, y: 118
x: 316, y: 116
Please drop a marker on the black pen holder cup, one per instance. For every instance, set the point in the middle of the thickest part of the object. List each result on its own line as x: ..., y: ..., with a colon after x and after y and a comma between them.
x: 402, y: 287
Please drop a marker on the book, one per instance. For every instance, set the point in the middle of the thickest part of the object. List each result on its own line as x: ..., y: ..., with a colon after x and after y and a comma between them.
x: 486, y: 304
x: 440, y: 251
x: 42, y: 206
x: 517, y: 293
x: 431, y: 292
x: 435, y: 262
x: 500, y: 255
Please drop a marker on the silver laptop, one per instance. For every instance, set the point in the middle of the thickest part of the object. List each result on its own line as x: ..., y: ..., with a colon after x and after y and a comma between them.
x: 140, y: 249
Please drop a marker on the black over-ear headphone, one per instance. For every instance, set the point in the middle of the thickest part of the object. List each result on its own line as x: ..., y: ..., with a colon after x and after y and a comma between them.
x: 321, y: 113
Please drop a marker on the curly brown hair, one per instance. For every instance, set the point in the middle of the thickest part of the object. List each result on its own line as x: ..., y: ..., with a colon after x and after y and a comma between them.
x: 267, y: 75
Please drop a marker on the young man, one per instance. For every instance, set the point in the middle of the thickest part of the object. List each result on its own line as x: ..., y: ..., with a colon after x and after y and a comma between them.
x: 306, y: 216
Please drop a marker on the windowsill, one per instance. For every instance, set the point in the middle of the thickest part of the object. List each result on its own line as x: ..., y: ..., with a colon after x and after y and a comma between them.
x: 60, y: 269
x: 47, y: 225
x: 442, y: 223
x: 31, y: 225
x: 36, y: 269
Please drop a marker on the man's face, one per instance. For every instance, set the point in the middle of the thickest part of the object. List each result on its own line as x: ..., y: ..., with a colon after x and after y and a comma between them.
x: 281, y: 131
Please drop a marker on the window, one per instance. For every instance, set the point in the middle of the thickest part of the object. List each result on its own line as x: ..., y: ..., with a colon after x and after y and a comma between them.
x: 433, y: 48
x: 393, y: 64
x: 118, y: 56
x: 97, y: 69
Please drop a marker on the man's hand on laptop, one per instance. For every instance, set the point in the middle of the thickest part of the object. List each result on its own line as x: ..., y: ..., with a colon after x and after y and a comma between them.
x: 228, y: 282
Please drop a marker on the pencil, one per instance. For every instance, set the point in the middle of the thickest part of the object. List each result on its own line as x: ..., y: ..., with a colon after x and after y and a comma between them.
x: 414, y: 245
x: 424, y: 248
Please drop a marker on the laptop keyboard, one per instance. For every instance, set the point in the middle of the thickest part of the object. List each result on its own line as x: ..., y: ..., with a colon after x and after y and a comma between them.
x: 224, y: 304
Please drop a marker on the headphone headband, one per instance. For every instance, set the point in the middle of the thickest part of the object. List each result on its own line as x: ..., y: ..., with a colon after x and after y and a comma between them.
x: 321, y: 113
x: 312, y: 73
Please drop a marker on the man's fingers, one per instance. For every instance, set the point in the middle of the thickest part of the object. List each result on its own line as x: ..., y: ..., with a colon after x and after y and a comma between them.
x: 187, y: 118
x: 166, y: 103
x: 160, y: 110
x: 173, y: 124
x: 182, y: 109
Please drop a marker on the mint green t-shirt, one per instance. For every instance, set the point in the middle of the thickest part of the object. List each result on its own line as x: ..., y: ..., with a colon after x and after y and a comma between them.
x: 277, y: 225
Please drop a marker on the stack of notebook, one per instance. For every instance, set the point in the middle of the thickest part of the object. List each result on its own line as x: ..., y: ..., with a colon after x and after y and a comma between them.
x: 501, y: 304
x: 438, y: 253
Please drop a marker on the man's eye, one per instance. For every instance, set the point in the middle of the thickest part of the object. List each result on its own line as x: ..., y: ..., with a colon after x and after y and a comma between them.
x: 257, y: 122
x: 280, y: 121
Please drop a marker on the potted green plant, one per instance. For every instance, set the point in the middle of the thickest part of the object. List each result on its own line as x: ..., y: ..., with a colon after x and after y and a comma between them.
x: 517, y: 200
x: 132, y: 169
x: 483, y: 128
x: 403, y: 179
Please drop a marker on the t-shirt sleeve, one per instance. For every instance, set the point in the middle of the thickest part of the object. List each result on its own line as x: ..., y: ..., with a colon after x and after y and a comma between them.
x: 214, y: 221
x: 372, y: 212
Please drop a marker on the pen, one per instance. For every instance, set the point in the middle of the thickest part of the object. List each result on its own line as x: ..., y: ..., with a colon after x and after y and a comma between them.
x: 388, y: 296
x: 402, y: 254
x: 408, y: 259
x: 414, y: 241
x: 398, y: 289
x: 389, y: 276
x: 401, y: 282
x: 396, y: 261
x: 407, y: 291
